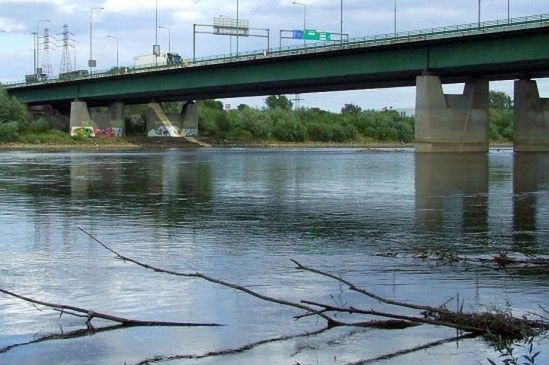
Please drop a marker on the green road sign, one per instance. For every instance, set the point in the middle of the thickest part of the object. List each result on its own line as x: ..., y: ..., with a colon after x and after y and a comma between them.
x: 313, y: 35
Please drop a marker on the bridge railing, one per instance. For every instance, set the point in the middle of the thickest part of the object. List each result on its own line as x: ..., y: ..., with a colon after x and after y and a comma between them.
x: 455, y: 31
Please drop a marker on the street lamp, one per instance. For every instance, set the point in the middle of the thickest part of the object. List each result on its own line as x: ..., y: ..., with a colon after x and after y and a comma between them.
x: 116, y: 38
x: 91, y: 62
x: 341, y: 22
x: 237, y: 27
x: 230, y: 36
x: 169, y: 37
x: 395, y: 17
x: 37, y: 49
x: 304, y: 17
x: 508, y: 11
x: 34, y: 34
x: 479, y: 13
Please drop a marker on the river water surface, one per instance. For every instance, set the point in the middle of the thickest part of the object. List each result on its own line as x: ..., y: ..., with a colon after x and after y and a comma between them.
x: 241, y: 215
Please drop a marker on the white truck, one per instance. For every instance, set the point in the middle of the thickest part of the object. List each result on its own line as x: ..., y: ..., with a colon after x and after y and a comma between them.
x: 150, y: 60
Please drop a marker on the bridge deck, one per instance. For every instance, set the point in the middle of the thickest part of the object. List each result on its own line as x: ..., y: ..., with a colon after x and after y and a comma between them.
x: 502, y: 49
x: 456, y: 31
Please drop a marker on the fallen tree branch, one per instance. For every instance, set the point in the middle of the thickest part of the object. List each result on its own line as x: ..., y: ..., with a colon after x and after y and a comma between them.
x: 411, y: 350
x: 502, y: 260
x: 237, y: 350
x: 91, y: 314
x: 352, y: 310
x: 353, y: 287
x: 331, y: 322
x: 64, y: 336
x: 487, y: 323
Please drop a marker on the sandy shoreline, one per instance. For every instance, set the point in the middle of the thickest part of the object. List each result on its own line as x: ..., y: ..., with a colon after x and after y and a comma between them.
x: 128, y: 145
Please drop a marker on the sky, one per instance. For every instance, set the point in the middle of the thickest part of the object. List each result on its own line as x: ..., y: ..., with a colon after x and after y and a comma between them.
x: 133, y: 22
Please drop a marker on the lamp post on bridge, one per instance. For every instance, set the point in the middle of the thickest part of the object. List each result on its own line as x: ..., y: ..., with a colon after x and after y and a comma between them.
x: 395, y: 13
x: 341, y: 22
x: 479, y: 13
x: 91, y: 62
x: 169, y: 37
x: 304, y: 17
x: 237, y: 27
x: 116, y: 38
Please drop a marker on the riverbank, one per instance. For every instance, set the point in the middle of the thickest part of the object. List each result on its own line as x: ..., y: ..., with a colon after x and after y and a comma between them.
x: 163, y: 143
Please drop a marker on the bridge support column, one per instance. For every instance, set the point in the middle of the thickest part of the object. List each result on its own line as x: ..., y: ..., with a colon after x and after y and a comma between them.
x: 190, y: 119
x: 96, y: 124
x: 531, y: 118
x: 116, y: 120
x: 451, y: 123
x: 162, y: 124
x: 81, y: 123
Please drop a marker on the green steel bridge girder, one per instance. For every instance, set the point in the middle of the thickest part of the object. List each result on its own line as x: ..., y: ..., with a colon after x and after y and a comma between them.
x: 495, y: 56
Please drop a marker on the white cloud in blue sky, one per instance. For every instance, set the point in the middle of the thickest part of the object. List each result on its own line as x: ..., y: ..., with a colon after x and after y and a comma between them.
x: 133, y: 23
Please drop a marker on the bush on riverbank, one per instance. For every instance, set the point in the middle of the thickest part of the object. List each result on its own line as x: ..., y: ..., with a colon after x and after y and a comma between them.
x: 14, y: 117
x: 278, y: 122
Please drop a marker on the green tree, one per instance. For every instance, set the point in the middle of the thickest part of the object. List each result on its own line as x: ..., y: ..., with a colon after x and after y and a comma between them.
x: 278, y: 102
x: 500, y: 101
x: 211, y: 104
x: 500, y: 117
x: 351, y: 109
x: 12, y: 110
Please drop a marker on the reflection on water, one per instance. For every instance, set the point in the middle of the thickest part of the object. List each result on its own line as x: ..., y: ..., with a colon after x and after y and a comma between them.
x: 241, y: 215
x: 452, y: 191
x: 530, y: 198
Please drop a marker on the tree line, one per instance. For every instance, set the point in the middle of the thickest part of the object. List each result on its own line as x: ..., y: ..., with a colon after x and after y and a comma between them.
x: 278, y: 120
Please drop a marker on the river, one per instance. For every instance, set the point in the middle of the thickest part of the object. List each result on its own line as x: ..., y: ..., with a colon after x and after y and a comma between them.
x: 240, y: 215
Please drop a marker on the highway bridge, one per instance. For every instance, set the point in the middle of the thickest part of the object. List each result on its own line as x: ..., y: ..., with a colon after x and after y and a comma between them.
x: 510, y: 49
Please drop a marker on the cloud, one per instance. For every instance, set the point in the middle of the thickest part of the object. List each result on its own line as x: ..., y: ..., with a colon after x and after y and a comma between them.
x: 65, y: 6
x: 8, y: 25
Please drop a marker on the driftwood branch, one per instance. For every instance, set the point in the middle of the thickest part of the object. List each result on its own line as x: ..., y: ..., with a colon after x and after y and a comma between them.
x: 64, y: 336
x: 501, y: 261
x: 91, y: 314
x: 237, y: 350
x: 411, y: 350
x: 352, y: 310
x: 331, y: 322
x: 486, y: 323
x: 355, y: 288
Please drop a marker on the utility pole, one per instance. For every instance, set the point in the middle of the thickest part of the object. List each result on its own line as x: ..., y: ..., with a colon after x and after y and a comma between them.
x: 395, y: 30
x: 479, y: 13
x: 115, y: 38
x: 237, y: 27
x: 91, y: 62
x: 169, y: 37
x: 341, y: 23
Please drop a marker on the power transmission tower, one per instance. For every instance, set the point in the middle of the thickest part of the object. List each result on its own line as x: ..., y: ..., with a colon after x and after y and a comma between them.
x: 297, y: 101
x: 46, y: 65
x: 68, y: 42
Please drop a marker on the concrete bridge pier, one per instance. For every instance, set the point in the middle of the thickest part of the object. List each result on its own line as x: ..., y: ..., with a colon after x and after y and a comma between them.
x: 531, y: 118
x: 96, y: 124
x: 162, y: 124
x: 81, y: 123
x: 451, y: 123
